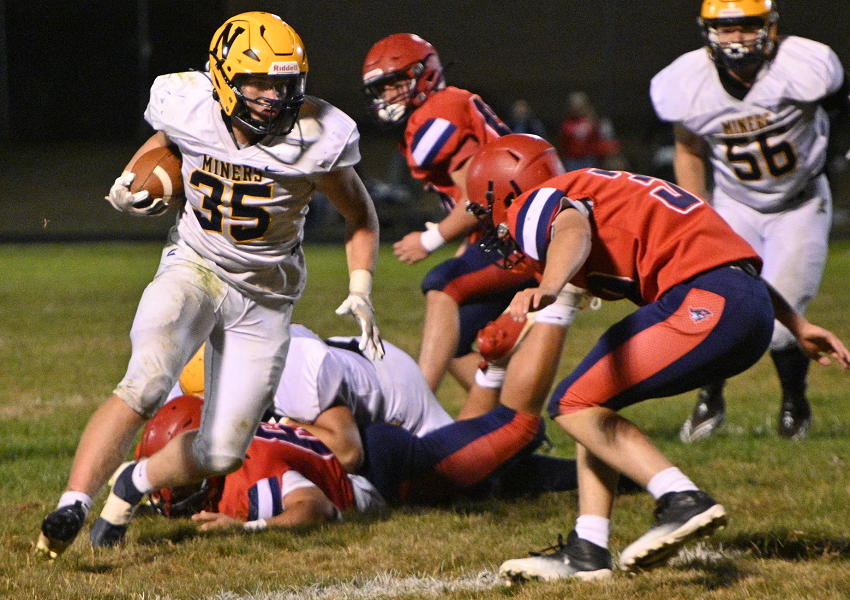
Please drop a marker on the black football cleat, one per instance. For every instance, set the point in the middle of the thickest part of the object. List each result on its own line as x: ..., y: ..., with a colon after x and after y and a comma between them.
x: 795, y: 418
x: 680, y: 517
x: 59, y: 529
x: 708, y: 414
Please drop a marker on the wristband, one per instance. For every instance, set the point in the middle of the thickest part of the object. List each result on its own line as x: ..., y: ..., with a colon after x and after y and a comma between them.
x: 431, y: 238
x: 257, y: 525
x: 360, y: 282
x: 490, y: 377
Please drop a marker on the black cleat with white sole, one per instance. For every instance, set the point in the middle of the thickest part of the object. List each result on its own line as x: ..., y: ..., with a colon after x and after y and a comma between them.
x: 59, y: 529
x: 578, y: 559
x: 680, y: 518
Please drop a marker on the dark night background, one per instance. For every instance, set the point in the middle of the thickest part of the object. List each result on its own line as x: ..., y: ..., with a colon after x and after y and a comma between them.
x: 74, y: 76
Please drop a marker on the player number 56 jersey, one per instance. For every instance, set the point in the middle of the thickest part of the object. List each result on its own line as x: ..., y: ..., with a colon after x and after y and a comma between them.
x: 767, y: 147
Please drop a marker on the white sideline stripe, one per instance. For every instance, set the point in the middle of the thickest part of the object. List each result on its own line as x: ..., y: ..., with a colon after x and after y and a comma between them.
x: 384, y: 585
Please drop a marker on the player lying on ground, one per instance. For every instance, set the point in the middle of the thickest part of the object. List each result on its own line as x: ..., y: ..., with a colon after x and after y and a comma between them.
x: 333, y: 390
x: 703, y: 313
x: 290, y: 478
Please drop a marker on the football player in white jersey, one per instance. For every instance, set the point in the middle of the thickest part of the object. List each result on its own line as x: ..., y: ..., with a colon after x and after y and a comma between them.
x: 754, y: 109
x: 332, y: 389
x: 254, y: 150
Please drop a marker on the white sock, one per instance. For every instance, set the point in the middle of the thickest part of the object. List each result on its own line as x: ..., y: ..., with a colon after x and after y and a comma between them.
x: 69, y: 498
x: 594, y: 529
x: 670, y: 480
x: 140, y: 477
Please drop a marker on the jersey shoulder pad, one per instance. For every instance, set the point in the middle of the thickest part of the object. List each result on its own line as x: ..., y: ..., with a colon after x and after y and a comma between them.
x: 674, y: 89
x: 180, y: 102
x: 811, y: 69
x: 530, y: 219
x: 436, y: 129
x: 326, y: 138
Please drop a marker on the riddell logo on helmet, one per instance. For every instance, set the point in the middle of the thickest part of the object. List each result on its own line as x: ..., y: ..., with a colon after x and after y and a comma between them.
x: 730, y: 13
x: 284, y: 68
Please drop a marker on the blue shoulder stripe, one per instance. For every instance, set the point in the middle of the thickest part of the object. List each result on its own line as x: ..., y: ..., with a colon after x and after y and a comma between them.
x: 430, y: 139
x: 264, y: 500
x: 532, y: 225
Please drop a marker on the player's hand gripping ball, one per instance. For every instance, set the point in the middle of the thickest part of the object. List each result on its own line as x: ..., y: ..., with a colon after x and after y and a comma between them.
x: 151, y: 187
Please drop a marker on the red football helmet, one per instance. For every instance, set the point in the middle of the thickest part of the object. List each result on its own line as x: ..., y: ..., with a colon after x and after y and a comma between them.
x: 177, y: 416
x: 499, y: 172
x: 399, y: 74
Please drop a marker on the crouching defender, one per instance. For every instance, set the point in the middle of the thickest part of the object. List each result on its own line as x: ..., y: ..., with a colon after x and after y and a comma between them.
x: 704, y: 313
x: 290, y: 478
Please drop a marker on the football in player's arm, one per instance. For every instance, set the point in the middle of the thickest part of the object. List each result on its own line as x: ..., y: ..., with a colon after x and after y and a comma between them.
x: 254, y: 148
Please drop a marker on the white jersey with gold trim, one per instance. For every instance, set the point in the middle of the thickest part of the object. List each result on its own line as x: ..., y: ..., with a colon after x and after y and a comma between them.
x: 245, y: 206
x: 766, y: 148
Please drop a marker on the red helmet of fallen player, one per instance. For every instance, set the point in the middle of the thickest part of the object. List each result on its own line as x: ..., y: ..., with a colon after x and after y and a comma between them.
x: 177, y: 416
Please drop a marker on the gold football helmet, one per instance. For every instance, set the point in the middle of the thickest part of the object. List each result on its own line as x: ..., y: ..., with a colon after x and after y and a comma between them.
x: 759, y: 14
x: 259, y: 44
x: 192, y: 378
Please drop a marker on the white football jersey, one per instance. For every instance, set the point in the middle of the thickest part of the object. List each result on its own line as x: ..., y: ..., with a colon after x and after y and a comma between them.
x: 768, y: 146
x: 245, y: 206
x: 393, y: 390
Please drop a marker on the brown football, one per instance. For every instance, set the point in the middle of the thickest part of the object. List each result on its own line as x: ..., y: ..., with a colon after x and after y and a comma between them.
x: 158, y: 172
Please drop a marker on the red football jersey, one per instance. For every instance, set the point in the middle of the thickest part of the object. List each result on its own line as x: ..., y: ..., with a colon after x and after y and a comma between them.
x: 647, y: 234
x: 255, y: 490
x: 443, y: 133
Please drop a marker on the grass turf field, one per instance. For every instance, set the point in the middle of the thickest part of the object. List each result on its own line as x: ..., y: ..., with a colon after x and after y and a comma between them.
x: 64, y: 325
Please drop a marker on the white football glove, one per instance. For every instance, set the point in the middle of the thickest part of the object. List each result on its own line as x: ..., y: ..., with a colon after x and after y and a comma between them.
x: 139, y: 204
x: 360, y: 307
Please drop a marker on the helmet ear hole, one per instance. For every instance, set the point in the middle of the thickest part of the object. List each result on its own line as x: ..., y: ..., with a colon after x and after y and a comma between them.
x: 517, y: 189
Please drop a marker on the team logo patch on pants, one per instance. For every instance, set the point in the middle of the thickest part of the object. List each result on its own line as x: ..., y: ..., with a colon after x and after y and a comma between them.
x: 699, y: 314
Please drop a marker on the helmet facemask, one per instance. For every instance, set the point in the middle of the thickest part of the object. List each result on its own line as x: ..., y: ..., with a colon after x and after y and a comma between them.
x: 282, y: 113
x: 496, y: 243
x: 187, y: 500
x: 392, y: 97
x: 740, y: 55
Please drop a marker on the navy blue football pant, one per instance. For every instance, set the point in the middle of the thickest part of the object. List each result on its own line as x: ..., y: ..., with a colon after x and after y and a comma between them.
x: 711, y: 327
